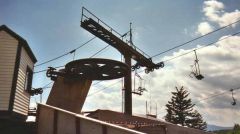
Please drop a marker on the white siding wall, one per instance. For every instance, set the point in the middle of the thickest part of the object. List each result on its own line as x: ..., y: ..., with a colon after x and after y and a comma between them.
x: 22, y: 98
x: 8, y: 50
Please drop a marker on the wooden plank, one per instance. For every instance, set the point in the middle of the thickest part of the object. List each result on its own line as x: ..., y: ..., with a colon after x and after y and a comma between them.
x: 22, y: 98
x: 77, y: 124
x: 88, y: 125
x: 20, y: 103
x: 8, y: 50
x: 5, y: 96
x: 19, y: 111
x: 7, y: 36
x: 104, y: 129
x: 55, y: 122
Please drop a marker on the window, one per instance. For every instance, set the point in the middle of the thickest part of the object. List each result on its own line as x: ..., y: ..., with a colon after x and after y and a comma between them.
x: 28, y: 79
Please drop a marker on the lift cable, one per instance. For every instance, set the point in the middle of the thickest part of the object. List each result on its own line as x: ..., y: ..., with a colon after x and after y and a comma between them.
x: 210, y: 97
x: 70, y: 52
x: 47, y: 85
x: 100, y: 90
x: 216, y: 95
x: 97, y: 83
x: 167, y: 60
x: 202, y: 47
x: 99, y: 51
x: 196, y: 102
x: 64, y: 65
x: 47, y: 69
x: 185, y: 43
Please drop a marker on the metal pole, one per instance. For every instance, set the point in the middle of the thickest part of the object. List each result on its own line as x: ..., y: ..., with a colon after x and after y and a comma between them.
x: 128, y: 88
x: 122, y: 88
x: 156, y: 110
x: 146, y: 108
x: 40, y: 98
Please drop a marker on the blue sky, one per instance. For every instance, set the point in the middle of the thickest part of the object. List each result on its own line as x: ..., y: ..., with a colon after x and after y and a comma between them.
x: 53, y: 28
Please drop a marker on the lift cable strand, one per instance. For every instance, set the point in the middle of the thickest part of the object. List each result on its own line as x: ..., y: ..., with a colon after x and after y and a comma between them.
x: 70, y: 52
x: 201, y: 47
x: 185, y: 43
x: 64, y: 65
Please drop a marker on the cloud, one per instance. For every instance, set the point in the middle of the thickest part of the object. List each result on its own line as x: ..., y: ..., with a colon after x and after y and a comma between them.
x: 204, y: 28
x: 214, y: 11
x: 217, y: 64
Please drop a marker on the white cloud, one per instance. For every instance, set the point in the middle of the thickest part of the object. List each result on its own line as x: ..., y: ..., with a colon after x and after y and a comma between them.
x: 204, y: 28
x: 214, y: 11
x: 218, y: 65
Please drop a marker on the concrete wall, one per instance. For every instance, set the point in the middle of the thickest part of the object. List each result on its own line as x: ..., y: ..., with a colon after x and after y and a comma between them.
x: 52, y: 120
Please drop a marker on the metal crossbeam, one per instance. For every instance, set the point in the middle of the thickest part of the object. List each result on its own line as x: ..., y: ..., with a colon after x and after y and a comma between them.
x: 108, y: 37
x: 106, y: 33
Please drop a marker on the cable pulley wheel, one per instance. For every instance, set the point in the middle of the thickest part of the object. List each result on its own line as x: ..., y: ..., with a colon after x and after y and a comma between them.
x: 97, y: 69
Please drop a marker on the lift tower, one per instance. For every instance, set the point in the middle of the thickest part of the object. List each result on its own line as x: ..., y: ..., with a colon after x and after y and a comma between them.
x: 100, y: 29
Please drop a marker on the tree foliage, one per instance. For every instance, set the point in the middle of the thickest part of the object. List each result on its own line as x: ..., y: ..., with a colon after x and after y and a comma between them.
x: 180, y: 111
x: 236, y: 127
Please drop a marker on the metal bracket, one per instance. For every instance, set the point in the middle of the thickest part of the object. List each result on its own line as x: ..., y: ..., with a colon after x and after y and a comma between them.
x: 156, y: 66
x: 52, y: 73
x: 35, y: 91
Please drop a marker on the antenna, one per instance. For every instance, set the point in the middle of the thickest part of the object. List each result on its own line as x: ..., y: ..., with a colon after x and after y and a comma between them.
x: 131, y: 41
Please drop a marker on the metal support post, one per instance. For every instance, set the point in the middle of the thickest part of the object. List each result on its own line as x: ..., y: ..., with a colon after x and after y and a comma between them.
x: 128, y: 88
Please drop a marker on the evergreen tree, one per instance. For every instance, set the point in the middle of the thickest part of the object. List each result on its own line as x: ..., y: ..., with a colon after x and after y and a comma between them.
x: 236, y: 127
x: 196, y: 121
x: 180, y: 111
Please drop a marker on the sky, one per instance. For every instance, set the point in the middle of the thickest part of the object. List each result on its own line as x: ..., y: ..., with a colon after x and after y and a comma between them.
x: 53, y: 27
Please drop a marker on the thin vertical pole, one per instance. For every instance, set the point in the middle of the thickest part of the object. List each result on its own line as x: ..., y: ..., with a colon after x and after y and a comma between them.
x: 128, y: 88
x: 122, y: 88
x: 156, y: 110
x: 146, y: 108
x: 40, y: 98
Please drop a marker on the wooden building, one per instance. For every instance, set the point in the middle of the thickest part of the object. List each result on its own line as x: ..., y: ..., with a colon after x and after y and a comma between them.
x: 16, y: 69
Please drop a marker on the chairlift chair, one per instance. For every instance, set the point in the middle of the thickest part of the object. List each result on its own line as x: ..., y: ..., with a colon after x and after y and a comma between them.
x: 140, y: 88
x: 234, y: 100
x: 196, y: 68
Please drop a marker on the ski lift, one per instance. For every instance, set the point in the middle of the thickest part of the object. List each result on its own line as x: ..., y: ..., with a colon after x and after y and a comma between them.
x: 141, y: 88
x: 234, y: 100
x: 36, y: 91
x: 196, y: 69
